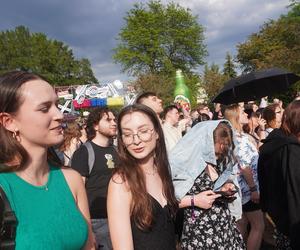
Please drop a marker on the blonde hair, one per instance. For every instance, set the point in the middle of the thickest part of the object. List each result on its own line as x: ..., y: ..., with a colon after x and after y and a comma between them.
x: 232, y: 114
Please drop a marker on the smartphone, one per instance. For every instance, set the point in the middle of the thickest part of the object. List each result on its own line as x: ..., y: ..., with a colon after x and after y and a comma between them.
x: 226, y: 193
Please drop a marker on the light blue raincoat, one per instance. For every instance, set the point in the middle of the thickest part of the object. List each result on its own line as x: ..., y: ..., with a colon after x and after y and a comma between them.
x: 189, y: 158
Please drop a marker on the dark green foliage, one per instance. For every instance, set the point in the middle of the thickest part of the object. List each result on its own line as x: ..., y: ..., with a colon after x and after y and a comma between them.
x: 158, y: 39
x: 22, y: 50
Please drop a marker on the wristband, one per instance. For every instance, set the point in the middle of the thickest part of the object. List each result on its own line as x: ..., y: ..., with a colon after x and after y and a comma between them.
x: 253, y: 189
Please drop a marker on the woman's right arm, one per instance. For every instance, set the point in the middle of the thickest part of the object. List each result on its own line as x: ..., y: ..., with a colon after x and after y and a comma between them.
x: 203, y: 200
x: 118, y: 211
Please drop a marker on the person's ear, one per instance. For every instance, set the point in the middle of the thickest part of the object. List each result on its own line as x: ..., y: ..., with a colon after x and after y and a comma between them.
x: 156, y: 135
x: 7, y: 121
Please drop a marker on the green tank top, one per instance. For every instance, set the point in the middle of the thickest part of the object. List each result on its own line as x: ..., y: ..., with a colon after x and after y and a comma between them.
x: 48, y: 217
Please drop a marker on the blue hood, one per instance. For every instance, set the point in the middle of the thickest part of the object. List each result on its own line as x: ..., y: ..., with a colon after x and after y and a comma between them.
x: 190, y: 157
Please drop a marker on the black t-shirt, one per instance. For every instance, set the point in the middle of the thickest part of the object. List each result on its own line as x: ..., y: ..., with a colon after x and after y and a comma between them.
x: 97, y: 181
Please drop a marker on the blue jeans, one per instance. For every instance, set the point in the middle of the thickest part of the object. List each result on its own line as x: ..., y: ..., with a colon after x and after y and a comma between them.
x: 101, y: 232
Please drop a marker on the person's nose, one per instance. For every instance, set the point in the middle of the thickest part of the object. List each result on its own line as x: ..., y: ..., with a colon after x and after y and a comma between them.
x: 136, y: 139
x: 58, y: 115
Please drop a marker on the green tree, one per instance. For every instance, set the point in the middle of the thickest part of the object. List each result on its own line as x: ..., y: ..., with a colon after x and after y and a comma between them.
x: 276, y: 44
x: 164, y: 85
x: 212, y: 80
x: 52, y: 59
x: 229, y: 67
x: 160, y: 39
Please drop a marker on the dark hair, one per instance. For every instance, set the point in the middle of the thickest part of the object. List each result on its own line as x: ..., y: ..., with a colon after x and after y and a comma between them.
x: 201, y: 118
x: 201, y: 106
x: 168, y: 109
x: 291, y: 119
x: 269, y: 114
x: 142, y: 210
x: 93, y: 119
x: 12, y: 152
x: 144, y: 95
x: 223, y: 134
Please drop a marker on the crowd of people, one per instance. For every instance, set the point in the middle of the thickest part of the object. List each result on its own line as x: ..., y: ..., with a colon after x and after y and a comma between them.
x: 148, y: 176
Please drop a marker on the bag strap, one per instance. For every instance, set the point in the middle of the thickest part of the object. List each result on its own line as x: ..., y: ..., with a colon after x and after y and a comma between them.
x: 91, y: 155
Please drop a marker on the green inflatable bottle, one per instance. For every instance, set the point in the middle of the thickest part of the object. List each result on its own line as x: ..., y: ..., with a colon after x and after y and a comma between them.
x: 181, y: 92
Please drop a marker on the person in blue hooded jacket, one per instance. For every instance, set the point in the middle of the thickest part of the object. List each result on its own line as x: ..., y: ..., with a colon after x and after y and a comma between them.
x: 202, y: 165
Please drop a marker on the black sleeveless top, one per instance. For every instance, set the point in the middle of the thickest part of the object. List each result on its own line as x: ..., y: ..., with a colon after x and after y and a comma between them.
x: 161, y: 236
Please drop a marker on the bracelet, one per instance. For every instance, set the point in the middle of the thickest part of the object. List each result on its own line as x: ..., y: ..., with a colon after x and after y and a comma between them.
x: 253, y: 189
x: 193, y: 207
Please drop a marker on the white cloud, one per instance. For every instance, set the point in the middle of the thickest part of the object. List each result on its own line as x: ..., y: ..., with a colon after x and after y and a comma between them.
x: 90, y: 27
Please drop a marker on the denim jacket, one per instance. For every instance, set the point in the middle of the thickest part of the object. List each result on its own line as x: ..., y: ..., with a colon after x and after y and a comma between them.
x: 189, y: 158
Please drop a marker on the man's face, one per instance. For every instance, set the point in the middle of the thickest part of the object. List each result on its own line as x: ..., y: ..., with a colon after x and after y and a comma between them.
x: 173, y: 116
x: 204, y: 110
x: 107, y: 125
x: 154, y: 103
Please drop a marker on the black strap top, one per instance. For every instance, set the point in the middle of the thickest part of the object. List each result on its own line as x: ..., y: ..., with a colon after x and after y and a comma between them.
x: 161, y: 236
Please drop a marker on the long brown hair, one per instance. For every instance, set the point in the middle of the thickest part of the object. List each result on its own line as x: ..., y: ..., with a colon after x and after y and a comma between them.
x: 11, y: 151
x: 224, y: 135
x: 291, y: 119
x: 141, y: 208
x: 72, y: 131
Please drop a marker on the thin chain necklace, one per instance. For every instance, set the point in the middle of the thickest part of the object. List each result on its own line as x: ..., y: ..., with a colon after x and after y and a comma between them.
x: 45, y: 186
x: 151, y: 173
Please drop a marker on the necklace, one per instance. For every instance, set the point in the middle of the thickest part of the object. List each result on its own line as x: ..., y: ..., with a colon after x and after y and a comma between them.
x: 44, y: 186
x: 151, y: 173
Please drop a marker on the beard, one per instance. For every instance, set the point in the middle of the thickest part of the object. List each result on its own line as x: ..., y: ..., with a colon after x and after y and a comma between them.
x: 110, y: 133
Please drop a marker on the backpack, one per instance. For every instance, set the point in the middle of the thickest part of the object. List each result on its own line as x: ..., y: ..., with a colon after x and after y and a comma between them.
x: 8, y: 223
x: 91, y: 155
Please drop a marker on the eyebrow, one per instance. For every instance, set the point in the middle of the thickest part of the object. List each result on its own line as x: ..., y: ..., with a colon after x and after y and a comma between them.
x: 48, y: 102
x: 139, y: 127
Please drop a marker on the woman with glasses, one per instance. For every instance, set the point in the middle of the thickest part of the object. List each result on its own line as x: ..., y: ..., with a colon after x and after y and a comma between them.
x: 141, y: 202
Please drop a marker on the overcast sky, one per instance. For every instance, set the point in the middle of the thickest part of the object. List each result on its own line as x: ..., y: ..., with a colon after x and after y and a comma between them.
x: 90, y: 27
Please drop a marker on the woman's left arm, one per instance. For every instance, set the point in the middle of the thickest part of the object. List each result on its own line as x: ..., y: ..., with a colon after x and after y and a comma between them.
x: 77, y: 187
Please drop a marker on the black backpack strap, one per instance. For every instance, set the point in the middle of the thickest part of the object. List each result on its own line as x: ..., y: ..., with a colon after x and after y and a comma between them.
x: 91, y: 155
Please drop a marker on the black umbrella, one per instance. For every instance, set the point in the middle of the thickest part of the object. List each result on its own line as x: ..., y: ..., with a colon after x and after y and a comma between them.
x: 254, y: 85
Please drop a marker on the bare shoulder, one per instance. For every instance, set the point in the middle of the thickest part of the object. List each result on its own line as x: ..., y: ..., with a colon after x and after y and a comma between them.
x: 119, y: 184
x: 71, y: 174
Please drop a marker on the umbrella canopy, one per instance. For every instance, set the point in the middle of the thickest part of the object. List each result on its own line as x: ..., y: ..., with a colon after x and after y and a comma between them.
x: 254, y: 85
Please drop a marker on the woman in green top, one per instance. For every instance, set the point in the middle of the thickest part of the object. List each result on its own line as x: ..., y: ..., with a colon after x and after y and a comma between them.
x: 49, y: 202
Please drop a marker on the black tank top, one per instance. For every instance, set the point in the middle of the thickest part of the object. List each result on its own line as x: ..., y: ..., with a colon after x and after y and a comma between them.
x: 161, y: 236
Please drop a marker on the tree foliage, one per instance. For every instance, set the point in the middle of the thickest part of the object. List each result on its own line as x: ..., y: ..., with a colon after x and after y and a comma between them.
x: 164, y: 86
x: 22, y: 50
x: 213, y: 80
x: 276, y: 44
x: 158, y: 39
x: 229, y: 67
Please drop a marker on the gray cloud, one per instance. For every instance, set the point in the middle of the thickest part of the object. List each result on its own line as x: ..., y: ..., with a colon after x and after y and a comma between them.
x: 90, y: 27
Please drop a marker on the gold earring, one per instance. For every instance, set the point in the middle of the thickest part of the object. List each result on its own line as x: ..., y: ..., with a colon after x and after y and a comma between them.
x: 14, y: 135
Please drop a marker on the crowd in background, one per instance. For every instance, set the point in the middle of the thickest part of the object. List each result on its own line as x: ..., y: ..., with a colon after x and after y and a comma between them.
x: 148, y: 176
